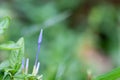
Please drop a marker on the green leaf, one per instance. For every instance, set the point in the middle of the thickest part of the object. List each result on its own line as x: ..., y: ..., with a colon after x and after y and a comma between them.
x: 9, y: 46
x: 112, y: 75
x: 4, y: 23
x: 7, y: 76
x: 16, y: 56
x: 4, y: 65
x: 1, y: 75
x: 19, y: 77
x: 31, y: 77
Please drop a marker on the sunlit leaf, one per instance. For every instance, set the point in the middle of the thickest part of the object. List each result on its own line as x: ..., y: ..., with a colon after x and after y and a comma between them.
x: 9, y: 46
x: 112, y: 75
x: 17, y: 55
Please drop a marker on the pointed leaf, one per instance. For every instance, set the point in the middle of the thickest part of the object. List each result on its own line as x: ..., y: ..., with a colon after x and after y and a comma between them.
x: 112, y: 75
x: 17, y: 55
x: 9, y: 46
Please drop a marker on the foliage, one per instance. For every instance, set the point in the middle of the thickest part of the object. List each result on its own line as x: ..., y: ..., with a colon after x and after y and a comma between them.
x: 11, y: 68
x: 79, y: 35
x: 113, y: 75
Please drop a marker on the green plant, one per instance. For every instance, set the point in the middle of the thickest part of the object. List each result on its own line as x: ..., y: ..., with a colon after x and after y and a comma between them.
x: 14, y: 68
x: 112, y: 75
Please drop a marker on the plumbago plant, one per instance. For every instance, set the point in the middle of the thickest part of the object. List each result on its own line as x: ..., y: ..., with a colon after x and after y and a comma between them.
x: 16, y: 67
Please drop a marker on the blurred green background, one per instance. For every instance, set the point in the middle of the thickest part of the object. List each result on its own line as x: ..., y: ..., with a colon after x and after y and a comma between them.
x: 80, y: 36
